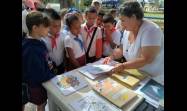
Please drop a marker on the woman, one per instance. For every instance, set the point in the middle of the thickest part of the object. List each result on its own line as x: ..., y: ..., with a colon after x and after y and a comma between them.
x: 143, y: 43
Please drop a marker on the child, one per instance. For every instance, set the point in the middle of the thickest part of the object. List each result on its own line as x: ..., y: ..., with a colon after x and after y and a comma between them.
x: 113, y: 12
x: 74, y: 43
x: 55, y: 41
x: 100, y: 18
x: 35, y: 67
x: 111, y: 35
x: 71, y: 11
x: 89, y: 30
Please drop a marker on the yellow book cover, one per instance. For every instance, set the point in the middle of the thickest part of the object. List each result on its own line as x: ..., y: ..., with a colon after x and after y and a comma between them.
x: 114, y: 92
x: 126, y: 80
x: 136, y: 73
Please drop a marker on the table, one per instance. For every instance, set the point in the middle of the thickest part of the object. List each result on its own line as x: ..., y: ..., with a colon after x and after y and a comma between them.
x: 57, y: 99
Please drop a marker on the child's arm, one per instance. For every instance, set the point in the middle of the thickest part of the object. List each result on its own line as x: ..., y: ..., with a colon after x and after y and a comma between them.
x: 72, y: 57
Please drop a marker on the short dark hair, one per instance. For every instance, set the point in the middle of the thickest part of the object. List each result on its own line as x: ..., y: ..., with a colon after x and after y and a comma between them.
x: 130, y: 8
x: 36, y: 18
x: 70, y: 19
x: 54, y: 15
x: 108, y: 18
x: 101, y: 13
x: 113, y: 11
x: 91, y: 10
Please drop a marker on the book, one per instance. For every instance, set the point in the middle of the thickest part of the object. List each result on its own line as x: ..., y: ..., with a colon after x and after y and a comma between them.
x: 96, y: 69
x: 155, y: 91
x: 101, y: 61
x: 127, y: 80
x: 69, y: 82
x: 136, y: 73
x: 133, y: 104
x: 99, y: 69
x: 92, y: 102
x: 83, y: 70
x: 114, y: 92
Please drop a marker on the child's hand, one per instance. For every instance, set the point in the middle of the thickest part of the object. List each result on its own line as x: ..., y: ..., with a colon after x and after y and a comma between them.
x: 106, y: 60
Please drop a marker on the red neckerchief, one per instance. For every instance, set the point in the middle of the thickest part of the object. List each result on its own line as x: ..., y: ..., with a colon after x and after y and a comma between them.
x: 89, y: 31
x: 107, y: 37
x: 53, y: 40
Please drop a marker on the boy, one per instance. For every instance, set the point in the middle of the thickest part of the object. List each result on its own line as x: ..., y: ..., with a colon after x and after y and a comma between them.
x: 100, y: 19
x: 90, y: 31
x: 55, y: 41
x: 35, y: 67
x: 111, y: 37
x: 113, y: 12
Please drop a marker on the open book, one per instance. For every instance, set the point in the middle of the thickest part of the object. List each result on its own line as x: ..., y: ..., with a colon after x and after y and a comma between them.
x: 96, y: 69
x: 69, y: 82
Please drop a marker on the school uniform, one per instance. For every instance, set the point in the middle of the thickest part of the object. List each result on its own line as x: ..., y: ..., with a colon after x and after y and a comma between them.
x: 96, y: 46
x: 107, y: 49
x: 76, y: 44
x: 55, y: 46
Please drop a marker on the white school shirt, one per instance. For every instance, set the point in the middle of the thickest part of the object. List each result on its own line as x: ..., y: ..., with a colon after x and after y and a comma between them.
x: 86, y: 40
x: 149, y: 34
x: 56, y: 53
x: 107, y: 49
x: 74, y: 45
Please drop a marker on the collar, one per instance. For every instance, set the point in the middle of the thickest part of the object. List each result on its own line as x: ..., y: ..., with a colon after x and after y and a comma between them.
x: 72, y: 35
x: 91, y: 28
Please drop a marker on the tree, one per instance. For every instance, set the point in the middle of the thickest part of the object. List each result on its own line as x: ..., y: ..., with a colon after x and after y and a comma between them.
x: 87, y: 2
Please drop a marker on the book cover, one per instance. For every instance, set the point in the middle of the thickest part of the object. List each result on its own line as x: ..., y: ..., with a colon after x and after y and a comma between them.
x: 136, y: 73
x: 127, y: 80
x: 92, y: 102
x: 154, y: 90
x: 114, y: 92
x: 69, y: 82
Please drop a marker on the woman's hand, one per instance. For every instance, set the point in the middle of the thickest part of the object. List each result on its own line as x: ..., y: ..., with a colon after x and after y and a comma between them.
x: 118, y: 68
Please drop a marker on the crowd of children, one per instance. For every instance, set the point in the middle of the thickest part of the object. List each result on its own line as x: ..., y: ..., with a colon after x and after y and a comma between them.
x: 53, y: 43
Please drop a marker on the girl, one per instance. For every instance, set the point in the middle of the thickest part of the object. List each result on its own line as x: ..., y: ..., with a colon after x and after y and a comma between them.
x: 74, y: 44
